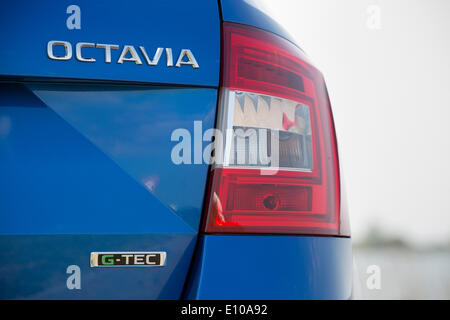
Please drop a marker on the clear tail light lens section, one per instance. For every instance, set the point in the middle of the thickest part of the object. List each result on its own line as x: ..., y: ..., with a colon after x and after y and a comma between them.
x: 278, y: 170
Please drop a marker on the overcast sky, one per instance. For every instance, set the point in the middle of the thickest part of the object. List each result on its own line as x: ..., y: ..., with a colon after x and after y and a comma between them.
x: 388, y: 76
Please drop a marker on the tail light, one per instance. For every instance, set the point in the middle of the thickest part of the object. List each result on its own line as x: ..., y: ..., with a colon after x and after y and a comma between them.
x: 278, y: 172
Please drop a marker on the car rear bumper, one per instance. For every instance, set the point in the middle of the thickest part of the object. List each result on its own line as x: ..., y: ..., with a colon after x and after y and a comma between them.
x: 271, y: 267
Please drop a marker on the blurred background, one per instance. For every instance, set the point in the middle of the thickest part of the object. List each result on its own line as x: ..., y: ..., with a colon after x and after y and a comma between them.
x: 387, y: 67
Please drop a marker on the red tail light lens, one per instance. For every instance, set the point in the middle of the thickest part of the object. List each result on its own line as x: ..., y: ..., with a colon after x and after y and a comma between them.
x: 280, y: 171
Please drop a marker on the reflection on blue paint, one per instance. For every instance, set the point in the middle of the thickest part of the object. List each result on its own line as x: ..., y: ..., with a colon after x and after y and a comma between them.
x: 88, y: 168
x: 271, y: 267
x: 133, y: 126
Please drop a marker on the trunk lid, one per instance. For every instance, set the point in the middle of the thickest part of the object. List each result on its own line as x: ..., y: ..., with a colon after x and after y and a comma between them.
x: 86, y: 147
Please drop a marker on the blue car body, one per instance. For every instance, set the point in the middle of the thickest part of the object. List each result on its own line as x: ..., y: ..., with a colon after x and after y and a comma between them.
x: 85, y: 163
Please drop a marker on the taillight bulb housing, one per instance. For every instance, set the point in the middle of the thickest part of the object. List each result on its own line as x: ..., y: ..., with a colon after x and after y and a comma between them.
x: 279, y: 170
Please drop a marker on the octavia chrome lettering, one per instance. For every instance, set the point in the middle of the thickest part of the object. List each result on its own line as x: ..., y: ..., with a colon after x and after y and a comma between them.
x: 128, y: 53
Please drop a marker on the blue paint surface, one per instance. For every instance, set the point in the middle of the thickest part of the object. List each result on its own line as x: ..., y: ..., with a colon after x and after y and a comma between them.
x: 102, y: 162
x: 75, y: 163
x: 271, y: 267
x: 34, y: 266
x: 26, y: 26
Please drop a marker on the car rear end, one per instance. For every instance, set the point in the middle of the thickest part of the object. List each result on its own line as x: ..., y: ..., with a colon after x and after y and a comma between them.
x: 201, y: 132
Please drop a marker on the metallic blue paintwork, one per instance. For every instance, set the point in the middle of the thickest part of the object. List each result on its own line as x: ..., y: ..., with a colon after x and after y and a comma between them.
x: 71, y: 167
x: 26, y: 26
x: 133, y: 126
x: 271, y: 267
x: 83, y: 158
x: 34, y: 266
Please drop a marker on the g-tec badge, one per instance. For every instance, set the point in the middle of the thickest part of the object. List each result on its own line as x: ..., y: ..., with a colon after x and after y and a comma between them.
x: 128, y: 259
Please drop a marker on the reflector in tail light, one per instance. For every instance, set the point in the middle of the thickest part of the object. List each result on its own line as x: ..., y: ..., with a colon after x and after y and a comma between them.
x: 279, y: 168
